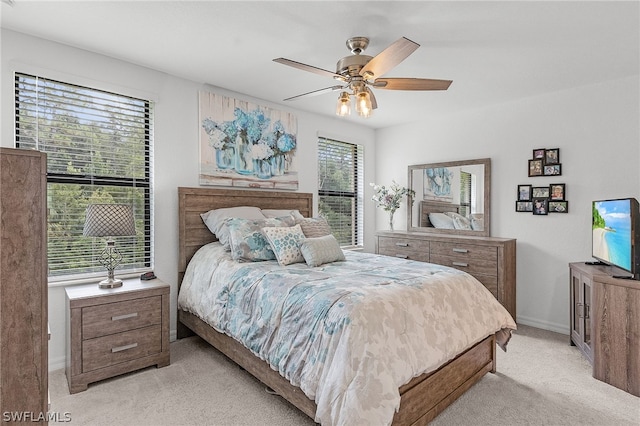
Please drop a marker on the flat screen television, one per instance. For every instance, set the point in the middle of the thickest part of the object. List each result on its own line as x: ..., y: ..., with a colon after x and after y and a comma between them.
x: 616, y: 234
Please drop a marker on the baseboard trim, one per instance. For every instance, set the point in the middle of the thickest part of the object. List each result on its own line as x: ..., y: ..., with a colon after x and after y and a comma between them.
x: 545, y: 325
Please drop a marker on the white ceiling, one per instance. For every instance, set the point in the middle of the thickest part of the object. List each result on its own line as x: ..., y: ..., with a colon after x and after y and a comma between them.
x: 493, y: 51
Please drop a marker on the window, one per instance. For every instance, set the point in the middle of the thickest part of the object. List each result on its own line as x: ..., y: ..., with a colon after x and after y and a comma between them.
x: 341, y: 189
x: 99, y: 150
x: 465, y: 193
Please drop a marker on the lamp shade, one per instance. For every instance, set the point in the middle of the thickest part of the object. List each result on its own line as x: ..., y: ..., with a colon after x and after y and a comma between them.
x: 109, y: 220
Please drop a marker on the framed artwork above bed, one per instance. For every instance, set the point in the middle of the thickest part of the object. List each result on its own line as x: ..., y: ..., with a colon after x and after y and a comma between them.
x: 243, y: 144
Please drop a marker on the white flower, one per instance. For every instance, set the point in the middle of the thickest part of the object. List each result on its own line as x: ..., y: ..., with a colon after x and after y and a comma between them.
x: 260, y: 151
x: 216, y: 138
x: 389, y: 198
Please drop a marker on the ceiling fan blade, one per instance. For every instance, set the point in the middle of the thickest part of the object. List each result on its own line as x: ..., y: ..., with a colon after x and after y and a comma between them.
x: 309, y: 68
x: 316, y: 92
x: 411, y: 84
x: 374, y: 103
x: 388, y: 58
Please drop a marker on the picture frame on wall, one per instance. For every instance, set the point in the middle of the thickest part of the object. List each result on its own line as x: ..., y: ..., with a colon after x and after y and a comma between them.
x: 552, y: 156
x: 540, y: 206
x: 536, y: 167
x: 553, y: 170
x: 538, y: 154
x: 556, y: 191
x: 540, y: 192
x: 558, y: 206
x: 524, y: 192
x: 524, y: 206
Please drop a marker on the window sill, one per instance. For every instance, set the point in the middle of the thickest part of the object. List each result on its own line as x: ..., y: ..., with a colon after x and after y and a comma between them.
x: 94, y: 279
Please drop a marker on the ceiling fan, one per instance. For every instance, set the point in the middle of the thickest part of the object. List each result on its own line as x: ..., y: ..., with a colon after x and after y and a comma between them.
x: 359, y: 73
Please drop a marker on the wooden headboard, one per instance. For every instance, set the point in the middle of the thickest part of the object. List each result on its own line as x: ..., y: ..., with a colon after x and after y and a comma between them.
x: 427, y: 207
x: 193, y: 233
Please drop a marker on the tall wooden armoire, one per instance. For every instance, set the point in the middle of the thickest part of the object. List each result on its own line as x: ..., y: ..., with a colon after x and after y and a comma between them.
x: 23, y: 285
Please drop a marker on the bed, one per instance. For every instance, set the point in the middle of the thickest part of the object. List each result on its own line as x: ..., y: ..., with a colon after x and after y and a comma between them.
x: 422, y: 398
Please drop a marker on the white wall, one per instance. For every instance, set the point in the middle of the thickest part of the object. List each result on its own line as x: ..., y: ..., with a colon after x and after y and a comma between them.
x: 597, y: 129
x: 176, y: 154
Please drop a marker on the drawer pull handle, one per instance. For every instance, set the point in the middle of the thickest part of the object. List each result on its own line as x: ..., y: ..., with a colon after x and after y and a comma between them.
x: 125, y: 316
x: 402, y: 256
x: 459, y: 264
x: 402, y: 244
x: 123, y: 348
x: 459, y: 250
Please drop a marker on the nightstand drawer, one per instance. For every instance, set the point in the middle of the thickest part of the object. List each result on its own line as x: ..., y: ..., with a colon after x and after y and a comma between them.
x: 116, y: 317
x: 117, y: 348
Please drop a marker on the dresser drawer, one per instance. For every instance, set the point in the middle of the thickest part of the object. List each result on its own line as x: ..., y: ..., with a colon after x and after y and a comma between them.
x: 470, y: 265
x: 404, y: 248
x: 490, y: 282
x: 117, y: 348
x: 112, y: 318
x: 464, y: 251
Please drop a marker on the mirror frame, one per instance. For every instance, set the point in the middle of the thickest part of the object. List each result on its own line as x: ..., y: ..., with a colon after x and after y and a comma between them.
x: 486, y: 232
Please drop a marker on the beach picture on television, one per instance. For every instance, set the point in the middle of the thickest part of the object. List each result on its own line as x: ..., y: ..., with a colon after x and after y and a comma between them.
x: 612, y: 232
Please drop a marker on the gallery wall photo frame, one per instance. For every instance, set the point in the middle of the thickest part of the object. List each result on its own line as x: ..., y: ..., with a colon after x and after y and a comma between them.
x: 558, y: 207
x: 540, y: 192
x: 524, y: 193
x: 524, y: 206
x: 540, y: 206
x: 545, y: 162
x: 557, y: 191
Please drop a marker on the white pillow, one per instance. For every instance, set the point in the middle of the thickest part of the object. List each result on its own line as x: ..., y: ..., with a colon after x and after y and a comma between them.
x: 441, y: 220
x: 279, y: 213
x: 285, y: 243
x: 459, y: 221
x: 215, y: 220
x: 320, y: 250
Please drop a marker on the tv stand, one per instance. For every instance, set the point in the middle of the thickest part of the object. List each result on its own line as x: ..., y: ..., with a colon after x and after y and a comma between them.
x: 605, y: 313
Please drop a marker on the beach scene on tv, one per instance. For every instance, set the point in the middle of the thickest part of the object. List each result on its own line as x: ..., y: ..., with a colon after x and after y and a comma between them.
x: 612, y: 232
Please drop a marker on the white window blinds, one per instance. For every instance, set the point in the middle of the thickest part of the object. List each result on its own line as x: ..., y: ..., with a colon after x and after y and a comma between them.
x: 341, y: 189
x: 99, y: 150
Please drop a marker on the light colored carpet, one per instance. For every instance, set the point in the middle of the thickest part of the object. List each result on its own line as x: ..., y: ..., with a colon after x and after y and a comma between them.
x: 540, y: 381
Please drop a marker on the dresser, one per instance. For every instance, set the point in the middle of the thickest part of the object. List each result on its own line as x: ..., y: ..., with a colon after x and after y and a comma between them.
x: 23, y: 286
x: 115, y: 331
x: 491, y: 260
x: 605, y: 323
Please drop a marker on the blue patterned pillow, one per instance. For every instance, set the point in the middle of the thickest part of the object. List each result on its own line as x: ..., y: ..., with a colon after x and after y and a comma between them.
x: 317, y: 251
x: 285, y: 243
x: 247, y: 241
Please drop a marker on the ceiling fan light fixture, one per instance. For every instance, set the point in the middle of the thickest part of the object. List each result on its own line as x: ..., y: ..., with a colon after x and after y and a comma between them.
x: 343, y: 107
x: 363, y: 104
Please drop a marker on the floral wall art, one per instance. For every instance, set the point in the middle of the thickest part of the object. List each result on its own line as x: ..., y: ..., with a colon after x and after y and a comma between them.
x: 437, y: 184
x: 245, y: 144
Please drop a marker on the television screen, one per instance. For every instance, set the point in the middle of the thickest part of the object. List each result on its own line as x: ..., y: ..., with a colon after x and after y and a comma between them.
x: 612, y: 232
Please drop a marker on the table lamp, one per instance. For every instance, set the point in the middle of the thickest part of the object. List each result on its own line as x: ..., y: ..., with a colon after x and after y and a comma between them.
x: 109, y: 220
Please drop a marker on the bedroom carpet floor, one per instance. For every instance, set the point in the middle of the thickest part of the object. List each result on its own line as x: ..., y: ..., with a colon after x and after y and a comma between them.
x: 541, y: 380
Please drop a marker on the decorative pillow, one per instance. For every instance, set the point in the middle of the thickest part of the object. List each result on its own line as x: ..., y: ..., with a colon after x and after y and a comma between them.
x: 279, y: 213
x: 441, y: 220
x: 477, y: 221
x: 459, y: 221
x: 314, y: 227
x: 215, y: 220
x: 285, y: 243
x: 247, y: 241
x: 319, y: 250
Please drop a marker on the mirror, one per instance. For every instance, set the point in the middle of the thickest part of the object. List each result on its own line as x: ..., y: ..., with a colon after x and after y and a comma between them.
x: 462, y: 187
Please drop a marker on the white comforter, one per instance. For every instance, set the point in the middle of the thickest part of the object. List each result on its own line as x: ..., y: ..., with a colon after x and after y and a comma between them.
x: 349, y: 334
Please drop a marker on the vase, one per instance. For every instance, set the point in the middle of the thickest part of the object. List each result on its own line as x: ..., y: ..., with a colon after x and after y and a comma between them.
x: 262, y: 168
x: 277, y: 165
x: 244, y: 162
x: 225, y: 157
x: 391, y: 220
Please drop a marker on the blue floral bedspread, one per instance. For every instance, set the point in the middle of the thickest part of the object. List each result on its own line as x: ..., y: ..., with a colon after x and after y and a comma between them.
x: 350, y: 333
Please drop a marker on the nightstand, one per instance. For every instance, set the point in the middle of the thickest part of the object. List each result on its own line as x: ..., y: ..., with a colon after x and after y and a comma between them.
x: 115, y: 331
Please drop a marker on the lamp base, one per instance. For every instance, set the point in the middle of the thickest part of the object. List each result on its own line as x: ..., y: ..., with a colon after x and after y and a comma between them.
x: 110, y: 283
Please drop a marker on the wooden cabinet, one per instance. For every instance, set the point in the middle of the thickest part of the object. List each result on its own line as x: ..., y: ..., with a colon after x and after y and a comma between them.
x: 115, y: 331
x: 491, y: 260
x: 23, y: 285
x: 580, y: 309
x: 613, y: 321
